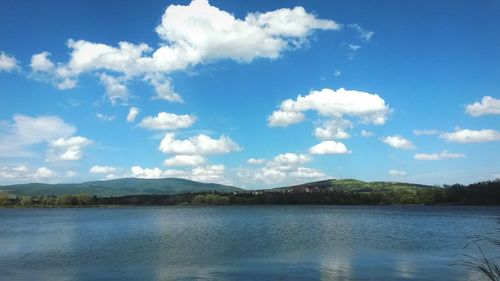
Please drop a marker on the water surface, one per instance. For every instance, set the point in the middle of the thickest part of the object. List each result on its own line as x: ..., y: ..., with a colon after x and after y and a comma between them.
x: 240, y: 242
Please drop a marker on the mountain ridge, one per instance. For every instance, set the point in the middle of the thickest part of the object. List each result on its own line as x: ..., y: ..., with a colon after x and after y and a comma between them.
x: 117, y: 187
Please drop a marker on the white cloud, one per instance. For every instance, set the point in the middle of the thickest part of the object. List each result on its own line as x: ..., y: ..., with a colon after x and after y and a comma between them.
x: 66, y: 84
x: 329, y: 147
x: 364, y: 34
x: 13, y: 173
x: 283, y: 168
x: 7, y: 63
x: 132, y: 114
x: 69, y: 149
x: 366, y: 134
x: 337, y: 73
x: 17, y: 137
x: 425, y: 132
x: 266, y: 175
x: 278, y: 169
x: 369, y: 108
x: 488, y: 105
x: 164, y: 90
x: 287, y: 160
x: 281, y: 118
x: 438, y: 156
x: 197, y: 145
x: 22, y: 173
x: 167, y: 121
x: 200, y: 32
x: 333, y: 129
x: 44, y: 172
x: 185, y: 160
x: 146, y: 173
x: 105, y: 117
x: 396, y: 173
x: 307, y: 173
x: 41, y: 62
x: 115, y: 89
x: 256, y: 161
x: 44, y: 69
x: 102, y: 169
x: 71, y: 174
x: 398, y: 142
x: 353, y: 47
x: 471, y: 136
x: 211, y: 173
x: 175, y: 173
x: 190, y: 35
x: 274, y: 175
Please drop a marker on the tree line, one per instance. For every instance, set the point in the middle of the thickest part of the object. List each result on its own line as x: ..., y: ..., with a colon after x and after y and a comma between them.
x: 481, y: 193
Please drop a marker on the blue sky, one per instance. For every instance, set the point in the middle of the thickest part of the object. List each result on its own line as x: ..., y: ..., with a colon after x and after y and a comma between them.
x: 250, y: 93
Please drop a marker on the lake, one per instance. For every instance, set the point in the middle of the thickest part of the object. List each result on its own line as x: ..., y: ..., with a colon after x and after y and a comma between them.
x: 241, y: 242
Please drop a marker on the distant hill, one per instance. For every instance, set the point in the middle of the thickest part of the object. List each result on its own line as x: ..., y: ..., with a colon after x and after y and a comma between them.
x: 352, y: 185
x: 117, y: 187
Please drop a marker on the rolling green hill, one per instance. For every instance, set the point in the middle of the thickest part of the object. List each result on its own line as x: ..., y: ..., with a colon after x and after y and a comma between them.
x: 117, y: 187
x: 352, y: 185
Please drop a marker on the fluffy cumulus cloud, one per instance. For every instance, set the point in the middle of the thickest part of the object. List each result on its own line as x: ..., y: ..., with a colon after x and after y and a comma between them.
x: 438, y: 156
x: 189, y: 35
x: 208, y: 173
x: 115, y: 88
x: 18, y: 136
x: 255, y: 161
x: 22, y: 173
x: 398, y: 142
x: 471, y: 136
x: 329, y: 147
x: 7, y: 63
x: 184, y: 160
x: 307, y: 173
x: 132, y: 114
x: 396, y: 173
x: 280, y: 118
x: 333, y: 129
x: 102, y: 169
x: 44, y: 172
x: 487, y: 105
x: 146, y: 173
x: 275, y: 176
x: 197, y: 145
x: 201, y: 32
x: 287, y: 160
x: 164, y: 90
x: 337, y: 107
x: 283, y: 168
x: 67, y: 149
x: 370, y: 108
x: 167, y: 121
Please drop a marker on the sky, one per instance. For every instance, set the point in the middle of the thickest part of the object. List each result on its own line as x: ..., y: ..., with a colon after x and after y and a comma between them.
x: 255, y: 94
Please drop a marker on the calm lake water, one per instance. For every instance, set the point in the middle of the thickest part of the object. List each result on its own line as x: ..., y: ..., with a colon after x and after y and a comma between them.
x: 240, y: 243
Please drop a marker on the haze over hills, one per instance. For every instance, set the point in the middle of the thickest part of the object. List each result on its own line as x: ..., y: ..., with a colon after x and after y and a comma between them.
x: 117, y: 187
